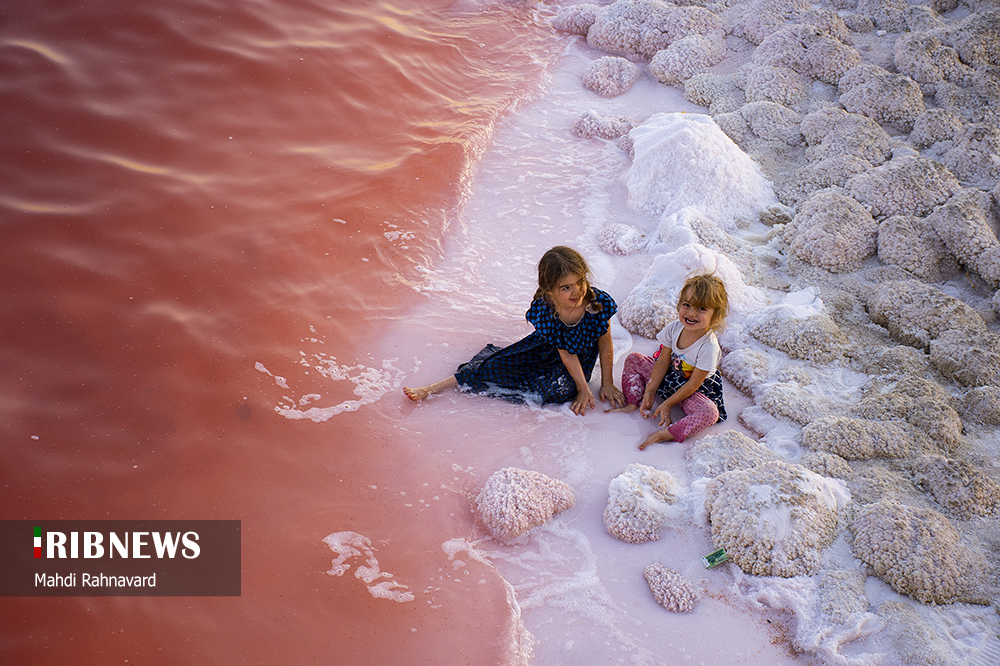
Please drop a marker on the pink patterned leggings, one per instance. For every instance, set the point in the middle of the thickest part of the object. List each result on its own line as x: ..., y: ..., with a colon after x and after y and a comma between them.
x: 700, y: 412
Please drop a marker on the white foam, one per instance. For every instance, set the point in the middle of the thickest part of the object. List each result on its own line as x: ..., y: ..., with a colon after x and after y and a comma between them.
x: 348, y: 546
x: 370, y: 384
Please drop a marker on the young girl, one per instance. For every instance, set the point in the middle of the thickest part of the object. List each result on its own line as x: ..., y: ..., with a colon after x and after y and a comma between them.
x: 553, y: 364
x: 685, y: 370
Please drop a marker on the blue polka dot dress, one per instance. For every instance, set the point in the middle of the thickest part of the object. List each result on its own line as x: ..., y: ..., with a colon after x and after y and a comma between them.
x: 531, y: 370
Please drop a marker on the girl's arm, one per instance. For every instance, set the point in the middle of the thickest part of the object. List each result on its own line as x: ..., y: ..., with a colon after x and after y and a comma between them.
x: 680, y: 395
x: 606, y: 352
x: 584, y: 396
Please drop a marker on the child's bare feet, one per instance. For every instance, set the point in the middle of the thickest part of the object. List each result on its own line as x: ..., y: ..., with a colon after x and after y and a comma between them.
x: 418, y: 394
x: 627, y: 409
x: 658, y: 436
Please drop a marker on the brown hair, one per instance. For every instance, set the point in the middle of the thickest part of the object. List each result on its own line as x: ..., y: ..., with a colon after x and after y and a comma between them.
x: 707, y: 291
x: 556, y: 264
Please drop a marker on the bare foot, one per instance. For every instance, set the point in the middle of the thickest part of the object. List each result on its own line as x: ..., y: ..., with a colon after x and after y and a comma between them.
x: 658, y: 436
x: 627, y: 409
x: 418, y: 394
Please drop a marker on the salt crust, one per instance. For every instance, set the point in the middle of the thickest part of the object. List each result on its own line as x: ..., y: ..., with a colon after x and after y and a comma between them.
x: 808, y: 336
x: 713, y: 455
x: 832, y: 132
x: 774, y: 519
x: 671, y: 149
x: 514, y: 501
x: 576, y: 19
x: 670, y: 589
x: 809, y: 51
x: 904, y: 186
x: 833, y: 605
x: 888, y: 99
x: 982, y: 404
x: 916, y: 551
x: 911, y: 243
x: 637, y: 29
x: 924, y: 405
x: 832, y: 231
x: 960, y: 488
x: 964, y: 225
x: 592, y: 125
x: 637, y: 503
x: 857, y: 439
x: 685, y: 57
x: 970, y: 357
x: 611, y: 76
x: 915, y: 313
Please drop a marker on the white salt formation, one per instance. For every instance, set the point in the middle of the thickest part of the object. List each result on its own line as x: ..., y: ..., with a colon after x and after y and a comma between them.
x: 918, y: 552
x: 611, y: 76
x: 673, y: 154
x: 638, y: 29
x: 638, y: 503
x: 670, y: 589
x: 592, y: 125
x: 857, y: 439
x: 844, y: 181
x: 774, y: 519
x: 715, y: 454
x: 514, y: 501
x: 959, y: 487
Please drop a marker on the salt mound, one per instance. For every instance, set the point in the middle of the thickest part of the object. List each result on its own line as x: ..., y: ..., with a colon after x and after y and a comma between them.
x: 916, y: 551
x: 670, y: 589
x: 637, y: 503
x: 684, y: 159
x: 774, y: 519
x: 514, y: 501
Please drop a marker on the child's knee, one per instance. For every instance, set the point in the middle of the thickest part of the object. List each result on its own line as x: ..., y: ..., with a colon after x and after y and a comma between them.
x: 633, y: 359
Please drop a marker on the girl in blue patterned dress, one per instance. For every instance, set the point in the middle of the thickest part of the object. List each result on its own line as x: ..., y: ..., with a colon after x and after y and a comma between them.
x: 555, y: 363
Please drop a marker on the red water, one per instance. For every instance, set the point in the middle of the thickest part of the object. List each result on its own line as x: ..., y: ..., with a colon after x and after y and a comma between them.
x: 189, y: 189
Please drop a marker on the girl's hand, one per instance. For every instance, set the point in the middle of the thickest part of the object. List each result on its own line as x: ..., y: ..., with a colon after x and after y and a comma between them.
x: 582, y: 401
x: 663, y: 411
x: 646, y: 406
x: 611, y: 393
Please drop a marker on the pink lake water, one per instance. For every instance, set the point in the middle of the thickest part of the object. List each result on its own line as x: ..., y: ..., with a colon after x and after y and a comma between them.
x: 195, y: 189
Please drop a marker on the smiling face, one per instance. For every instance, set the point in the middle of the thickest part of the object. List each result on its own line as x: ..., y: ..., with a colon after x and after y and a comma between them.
x: 569, y: 292
x: 694, y: 318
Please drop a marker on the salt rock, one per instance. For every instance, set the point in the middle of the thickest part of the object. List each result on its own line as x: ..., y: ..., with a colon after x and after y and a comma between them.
x: 775, y: 519
x: 611, y: 76
x: 960, y: 487
x: 514, y: 501
x: 637, y: 502
x: 670, y: 589
x: 917, y: 551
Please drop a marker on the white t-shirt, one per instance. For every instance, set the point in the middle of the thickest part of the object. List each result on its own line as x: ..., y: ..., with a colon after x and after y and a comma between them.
x: 703, y: 354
